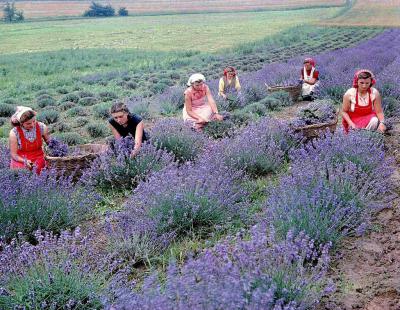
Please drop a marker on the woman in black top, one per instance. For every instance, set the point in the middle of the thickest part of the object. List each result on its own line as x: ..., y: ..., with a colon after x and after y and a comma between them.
x: 123, y: 124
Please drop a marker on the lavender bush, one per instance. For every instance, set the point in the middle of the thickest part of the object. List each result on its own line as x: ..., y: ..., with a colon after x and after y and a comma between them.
x: 243, y: 272
x: 326, y: 204
x: 57, y: 273
x: 319, y: 111
x: 177, y: 201
x: 4, y: 157
x: 259, y: 149
x: 29, y: 201
x: 176, y: 137
x: 115, y: 170
x: 331, y: 187
x: 57, y: 148
x: 171, y: 101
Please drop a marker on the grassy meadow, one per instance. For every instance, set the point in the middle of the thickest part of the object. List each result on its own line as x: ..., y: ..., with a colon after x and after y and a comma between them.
x: 187, y: 32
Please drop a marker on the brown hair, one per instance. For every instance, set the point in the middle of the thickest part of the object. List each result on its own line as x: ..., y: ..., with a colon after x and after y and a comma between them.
x: 27, y: 116
x: 364, y: 75
x: 119, y: 106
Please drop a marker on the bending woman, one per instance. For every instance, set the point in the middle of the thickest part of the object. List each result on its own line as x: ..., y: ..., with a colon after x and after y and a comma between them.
x: 200, y: 107
x: 309, y: 78
x: 362, y: 106
x: 229, y: 83
x: 26, y: 140
x: 123, y: 123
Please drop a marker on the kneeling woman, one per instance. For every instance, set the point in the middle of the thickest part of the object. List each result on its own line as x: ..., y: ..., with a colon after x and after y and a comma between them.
x: 123, y: 123
x: 26, y: 140
x: 362, y: 106
x: 200, y: 107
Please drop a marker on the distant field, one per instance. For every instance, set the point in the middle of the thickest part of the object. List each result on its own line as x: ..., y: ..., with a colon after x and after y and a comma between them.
x: 200, y: 32
x: 37, y: 9
x: 385, y: 13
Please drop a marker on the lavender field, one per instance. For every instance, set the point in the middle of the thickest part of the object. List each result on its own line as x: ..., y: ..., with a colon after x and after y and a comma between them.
x: 244, y: 215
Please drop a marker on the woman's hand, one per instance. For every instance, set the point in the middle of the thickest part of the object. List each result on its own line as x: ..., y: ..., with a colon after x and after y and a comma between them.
x: 382, y: 128
x: 223, y: 96
x: 353, y: 126
x: 134, y: 152
x: 201, y: 120
x: 218, y: 117
x: 28, y: 164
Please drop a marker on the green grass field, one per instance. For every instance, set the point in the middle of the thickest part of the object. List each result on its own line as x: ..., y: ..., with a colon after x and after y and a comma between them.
x: 200, y: 32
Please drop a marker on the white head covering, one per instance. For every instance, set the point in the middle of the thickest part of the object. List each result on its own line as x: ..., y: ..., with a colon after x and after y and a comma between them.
x: 195, y: 77
x: 19, y: 112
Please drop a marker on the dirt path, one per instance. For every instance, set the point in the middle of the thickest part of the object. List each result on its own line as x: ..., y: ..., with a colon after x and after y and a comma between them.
x: 366, y: 270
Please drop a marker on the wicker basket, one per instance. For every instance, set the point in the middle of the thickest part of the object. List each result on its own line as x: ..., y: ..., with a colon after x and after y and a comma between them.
x: 313, y: 131
x: 75, y: 164
x: 293, y: 90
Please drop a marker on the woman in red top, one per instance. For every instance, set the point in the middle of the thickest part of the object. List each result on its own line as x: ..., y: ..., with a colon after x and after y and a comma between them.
x: 309, y: 78
x: 362, y: 106
x: 26, y: 140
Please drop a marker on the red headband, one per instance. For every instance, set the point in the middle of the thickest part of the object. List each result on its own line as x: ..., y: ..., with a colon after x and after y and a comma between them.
x: 310, y: 60
x: 355, y: 78
x: 228, y: 69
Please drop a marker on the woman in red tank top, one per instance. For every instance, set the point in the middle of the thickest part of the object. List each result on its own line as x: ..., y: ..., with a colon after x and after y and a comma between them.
x: 362, y: 106
x: 26, y: 140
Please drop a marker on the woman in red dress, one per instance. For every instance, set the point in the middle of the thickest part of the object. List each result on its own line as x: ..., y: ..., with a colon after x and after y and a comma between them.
x: 362, y: 107
x: 26, y: 140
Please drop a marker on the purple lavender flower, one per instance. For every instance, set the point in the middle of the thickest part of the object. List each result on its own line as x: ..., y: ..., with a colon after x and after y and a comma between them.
x: 176, y: 137
x: 29, y: 201
x: 57, y: 148
x: 243, y: 272
x: 4, y: 157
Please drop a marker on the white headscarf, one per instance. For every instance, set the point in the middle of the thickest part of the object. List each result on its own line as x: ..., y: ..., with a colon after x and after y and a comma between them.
x: 19, y: 112
x: 195, y: 77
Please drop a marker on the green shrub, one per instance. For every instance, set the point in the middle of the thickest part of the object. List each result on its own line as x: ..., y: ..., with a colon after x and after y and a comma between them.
x: 107, y: 95
x: 62, y: 90
x: 77, y: 111
x: 45, y: 100
x: 3, y: 120
x: 42, y: 92
x: 81, y: 121
x: 218, y: 130
x: 70, y: 138
x: 53, y: 288
x: 67, y: 105
x: 122, y: 11
x: 10, y: 101
x: 240, y: 117
x: 87, y: 101
x: 283, y: 97
x: 6, y: 110
x: 48, y: 116
x: 102, y: 110
x: 84, y: 93
x: 70, y: 97
x: 97, y: 130
x: 60, y: 127
x: 256, y: 108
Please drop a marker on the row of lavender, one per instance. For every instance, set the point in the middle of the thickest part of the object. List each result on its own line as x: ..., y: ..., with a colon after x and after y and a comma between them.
x: 280, y: 264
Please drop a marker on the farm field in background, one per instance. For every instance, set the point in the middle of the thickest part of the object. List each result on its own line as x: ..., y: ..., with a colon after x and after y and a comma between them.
x: 40, y: 9
x: 381, y: 13
x: 200, y: 32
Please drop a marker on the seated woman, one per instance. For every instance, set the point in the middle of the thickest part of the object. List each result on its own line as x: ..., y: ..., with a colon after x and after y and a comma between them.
x: 200, y: 107
x: 309, y: 78
x: 229, y: 83
x: 26, y: 140
x: 123, y: 123
x: 362, y: 106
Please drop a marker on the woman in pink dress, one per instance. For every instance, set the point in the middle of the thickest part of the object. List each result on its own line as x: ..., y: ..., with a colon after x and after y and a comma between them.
x: 200, y: 107
x: 362, y: 106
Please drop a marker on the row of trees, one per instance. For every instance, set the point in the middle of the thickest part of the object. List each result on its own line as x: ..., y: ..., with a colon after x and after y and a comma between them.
x: 11, y: 14
x: 99, y: 10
